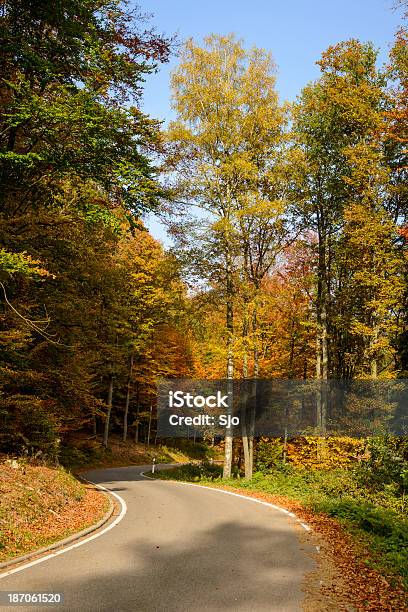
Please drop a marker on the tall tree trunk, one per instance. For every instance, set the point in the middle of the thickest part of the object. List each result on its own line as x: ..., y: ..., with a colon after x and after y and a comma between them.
x: 256, y: 348
x: 318, y: 377
x: 137, y: 413
x: 373, y: 356
x: 127, y: 401
x: 253, y: 404
x: 325, y: 355
x: 230, y: 364
x: 290, y: 376
x: 150, y: 424
x: 322, y: 350
x: 244, y: 428
x: 108, y: 414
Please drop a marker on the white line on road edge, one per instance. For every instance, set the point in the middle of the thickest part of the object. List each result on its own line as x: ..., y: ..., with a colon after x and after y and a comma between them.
x: 84, y: 541
x: 253, y: 499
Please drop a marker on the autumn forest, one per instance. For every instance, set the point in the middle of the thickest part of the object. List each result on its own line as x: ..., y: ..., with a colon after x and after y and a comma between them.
x: 289, y: 220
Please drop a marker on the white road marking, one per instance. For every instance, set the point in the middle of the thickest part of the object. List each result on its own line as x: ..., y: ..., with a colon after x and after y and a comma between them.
x: 77, y: 544
x: 122, y: 513
x: 305, y: 526
x: 253, y: 499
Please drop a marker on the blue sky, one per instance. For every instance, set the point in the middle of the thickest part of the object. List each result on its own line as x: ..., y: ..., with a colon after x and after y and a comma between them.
x: 295, y: 31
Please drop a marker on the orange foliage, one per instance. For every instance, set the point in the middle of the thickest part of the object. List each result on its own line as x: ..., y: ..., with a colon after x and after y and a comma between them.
x: 324, y: 453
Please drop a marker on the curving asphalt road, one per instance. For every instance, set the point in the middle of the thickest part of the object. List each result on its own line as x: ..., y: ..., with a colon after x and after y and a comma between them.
x: 178, y: 548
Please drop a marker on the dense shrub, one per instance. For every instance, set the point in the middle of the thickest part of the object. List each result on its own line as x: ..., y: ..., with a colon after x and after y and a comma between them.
x: 72, y: 457
x: 386, y: 464
x: 193, y: 472
x: 28, y: 427
x: 268, y: 454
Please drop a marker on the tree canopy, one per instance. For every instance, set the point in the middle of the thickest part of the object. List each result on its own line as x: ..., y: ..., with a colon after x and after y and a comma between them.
x: 294, y: 266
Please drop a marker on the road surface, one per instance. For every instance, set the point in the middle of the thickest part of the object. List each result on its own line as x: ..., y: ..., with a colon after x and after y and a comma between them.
x: 177, y: 548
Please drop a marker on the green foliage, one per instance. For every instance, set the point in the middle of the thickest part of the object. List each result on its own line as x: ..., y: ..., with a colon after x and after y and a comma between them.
x: 268, y: 454
x: 84, y: 284
x: 73, y: 458
x: 21, y: 263
x: 192, y: 472
x: 64, y: 109
x: 28, y: 427
x: 195, y: 450
x: 385, y: 532
x: 387, y: 464
x: 94, y: 214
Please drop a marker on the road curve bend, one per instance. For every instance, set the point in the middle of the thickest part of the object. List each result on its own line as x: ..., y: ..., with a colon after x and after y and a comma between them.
x: 177, y: 548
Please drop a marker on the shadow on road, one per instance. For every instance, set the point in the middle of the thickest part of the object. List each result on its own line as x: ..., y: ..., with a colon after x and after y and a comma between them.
x: 233, y: 567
